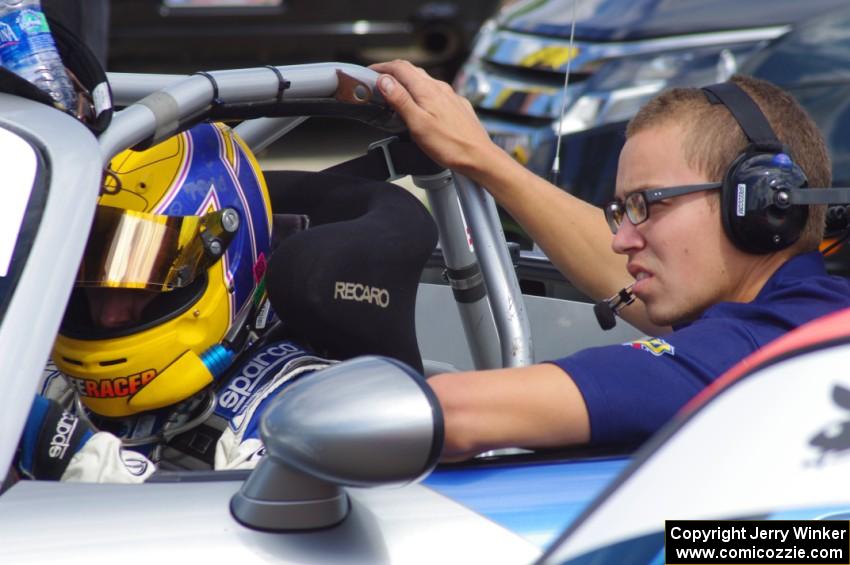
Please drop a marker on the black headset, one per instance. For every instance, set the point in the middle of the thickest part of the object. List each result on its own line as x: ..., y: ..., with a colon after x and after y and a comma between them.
x: 764, y: 197
x: 762, y: 204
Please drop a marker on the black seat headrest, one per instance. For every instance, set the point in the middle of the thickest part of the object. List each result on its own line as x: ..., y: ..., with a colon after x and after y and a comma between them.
x: 347, y: 284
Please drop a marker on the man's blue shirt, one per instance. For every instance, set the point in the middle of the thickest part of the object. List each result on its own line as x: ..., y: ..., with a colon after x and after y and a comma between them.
x: 632, y: 389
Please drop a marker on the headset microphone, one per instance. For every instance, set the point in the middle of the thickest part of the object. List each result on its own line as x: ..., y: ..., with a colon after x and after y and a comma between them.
x: 607, y: 309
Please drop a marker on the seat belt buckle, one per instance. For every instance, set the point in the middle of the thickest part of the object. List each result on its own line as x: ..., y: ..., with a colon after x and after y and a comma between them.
x: 383, y: 145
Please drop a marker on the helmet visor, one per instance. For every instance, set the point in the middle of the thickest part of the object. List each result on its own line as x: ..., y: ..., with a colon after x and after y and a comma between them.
x: 130, y: 249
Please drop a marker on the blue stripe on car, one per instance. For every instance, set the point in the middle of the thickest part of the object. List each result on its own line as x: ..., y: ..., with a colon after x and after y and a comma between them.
x: 536, y: 501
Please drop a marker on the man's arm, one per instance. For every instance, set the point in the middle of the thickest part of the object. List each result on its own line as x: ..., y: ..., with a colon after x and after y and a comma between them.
x: 57, y: 444
x: 535, y: 406
x: 572, y: 233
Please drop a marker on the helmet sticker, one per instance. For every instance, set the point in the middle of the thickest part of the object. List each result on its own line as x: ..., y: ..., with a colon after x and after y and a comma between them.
x: 260, y: 267
x: 118, y: 387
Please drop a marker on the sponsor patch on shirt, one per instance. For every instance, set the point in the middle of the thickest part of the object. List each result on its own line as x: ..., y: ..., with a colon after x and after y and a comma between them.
x: 261, y: 368
x: 656, y: 346
x: 135, y: 463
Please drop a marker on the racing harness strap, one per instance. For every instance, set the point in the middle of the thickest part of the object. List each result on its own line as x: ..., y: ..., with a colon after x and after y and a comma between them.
x: 393, y: 158
x: 389, y: 159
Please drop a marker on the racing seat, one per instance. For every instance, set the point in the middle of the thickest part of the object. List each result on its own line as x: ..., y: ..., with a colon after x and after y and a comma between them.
x: 346, y: 285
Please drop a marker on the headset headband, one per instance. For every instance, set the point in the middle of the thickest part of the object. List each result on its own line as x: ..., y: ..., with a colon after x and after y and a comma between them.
x: 762, y: 138
x: 748, y: 115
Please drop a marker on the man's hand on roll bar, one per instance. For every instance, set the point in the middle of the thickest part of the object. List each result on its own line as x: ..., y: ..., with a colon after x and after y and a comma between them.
x: 441, y: 122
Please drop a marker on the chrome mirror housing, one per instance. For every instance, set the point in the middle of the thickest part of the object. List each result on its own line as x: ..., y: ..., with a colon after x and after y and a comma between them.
x: 364, y: 422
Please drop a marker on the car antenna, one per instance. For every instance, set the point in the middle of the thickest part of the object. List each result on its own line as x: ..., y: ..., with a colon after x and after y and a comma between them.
x: 556, y: 162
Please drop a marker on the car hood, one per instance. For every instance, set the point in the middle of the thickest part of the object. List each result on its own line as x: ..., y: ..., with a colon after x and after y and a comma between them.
x: 485, y: 512
x: 615, y: 20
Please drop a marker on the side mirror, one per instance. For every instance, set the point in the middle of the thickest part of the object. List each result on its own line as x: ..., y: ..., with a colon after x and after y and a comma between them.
x: 364, y: 422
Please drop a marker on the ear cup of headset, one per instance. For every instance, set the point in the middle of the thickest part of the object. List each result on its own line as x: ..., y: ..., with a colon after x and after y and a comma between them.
x: 751, y: 218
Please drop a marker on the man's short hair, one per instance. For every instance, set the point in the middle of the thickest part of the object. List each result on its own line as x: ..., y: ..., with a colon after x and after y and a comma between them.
x: 713, y: 138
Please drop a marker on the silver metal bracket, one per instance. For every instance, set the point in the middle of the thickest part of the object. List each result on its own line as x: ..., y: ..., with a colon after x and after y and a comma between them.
x: 383, y: 145
x: 464, y: 283
x: 433, y: 182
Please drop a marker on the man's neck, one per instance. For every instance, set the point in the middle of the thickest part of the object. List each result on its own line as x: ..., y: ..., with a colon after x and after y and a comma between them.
x: 756, y: 274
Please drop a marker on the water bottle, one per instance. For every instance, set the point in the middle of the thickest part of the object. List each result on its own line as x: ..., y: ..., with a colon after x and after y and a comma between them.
x: 27, y: 49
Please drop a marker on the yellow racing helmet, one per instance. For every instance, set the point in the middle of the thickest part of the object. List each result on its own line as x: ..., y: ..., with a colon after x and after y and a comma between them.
x: 188, y: 222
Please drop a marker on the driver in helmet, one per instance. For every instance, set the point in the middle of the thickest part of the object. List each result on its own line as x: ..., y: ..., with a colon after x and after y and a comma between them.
x: 164, y: 348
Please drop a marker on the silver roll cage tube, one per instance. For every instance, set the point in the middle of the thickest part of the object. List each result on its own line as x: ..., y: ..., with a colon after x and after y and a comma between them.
x: 158, y: 106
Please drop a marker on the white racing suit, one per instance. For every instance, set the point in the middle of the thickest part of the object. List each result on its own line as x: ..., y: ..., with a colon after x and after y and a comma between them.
x: 232, y: 429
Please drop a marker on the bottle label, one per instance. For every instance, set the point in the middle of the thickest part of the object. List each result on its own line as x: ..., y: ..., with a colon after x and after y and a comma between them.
x: 8, y: 36
x: 33, y: 22
x: 23, y: 34
x: 101, y: 98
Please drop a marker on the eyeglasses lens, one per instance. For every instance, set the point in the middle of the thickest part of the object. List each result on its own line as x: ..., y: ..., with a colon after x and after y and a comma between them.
x: 636, y: 207
x: 614, y: 214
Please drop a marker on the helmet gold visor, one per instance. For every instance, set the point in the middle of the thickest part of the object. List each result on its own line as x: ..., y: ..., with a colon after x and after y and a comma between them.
x: 131, y: 249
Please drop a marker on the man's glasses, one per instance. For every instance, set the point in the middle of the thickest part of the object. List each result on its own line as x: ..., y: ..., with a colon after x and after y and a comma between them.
x: 636, y: 205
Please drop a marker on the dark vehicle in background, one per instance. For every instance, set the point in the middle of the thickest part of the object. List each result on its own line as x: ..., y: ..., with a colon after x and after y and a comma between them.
x: 187, y: 35
x: 86, y: 19
x: 812, y: 62
x: 624, y: 52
